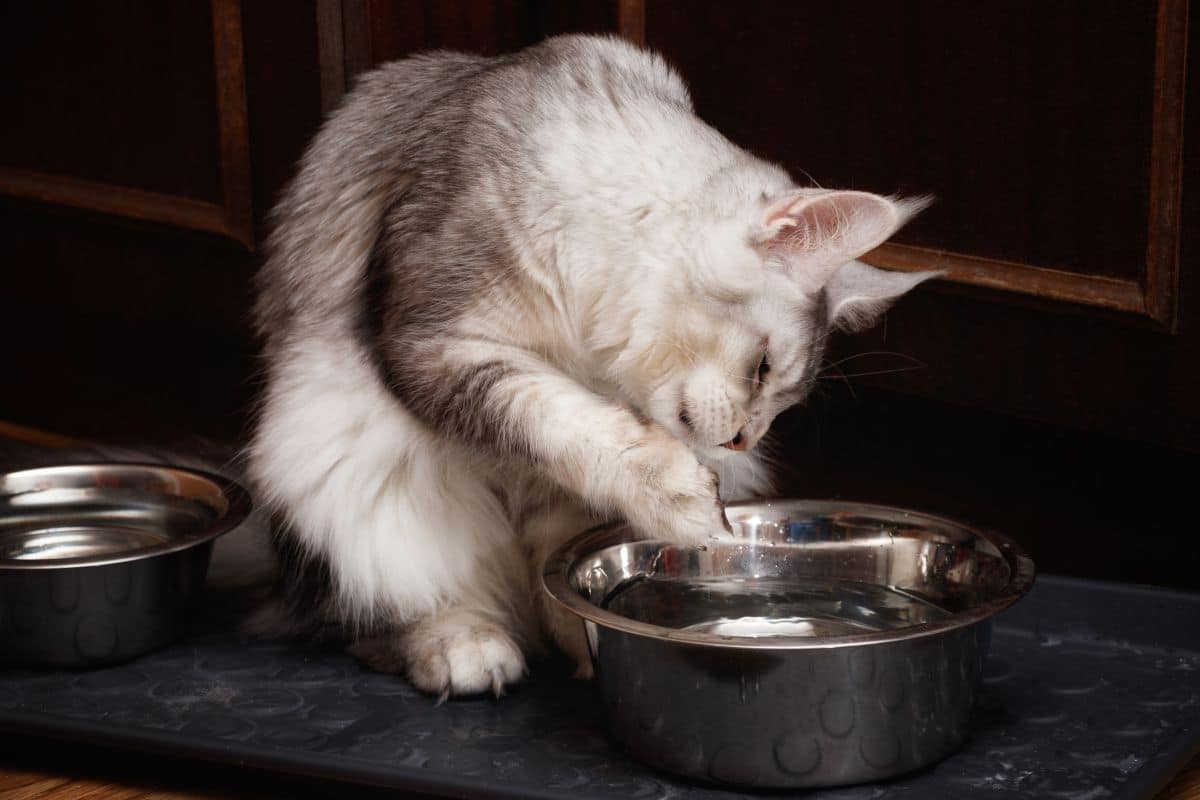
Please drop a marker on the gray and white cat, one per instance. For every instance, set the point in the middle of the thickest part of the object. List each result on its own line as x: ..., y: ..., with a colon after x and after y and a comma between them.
x: 508, y: 298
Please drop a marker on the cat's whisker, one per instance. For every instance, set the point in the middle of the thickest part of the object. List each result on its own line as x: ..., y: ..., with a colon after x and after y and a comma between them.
x: 805, y: 173
x: 846, y: 378
x: 871, y: 353
x: 840, y: 376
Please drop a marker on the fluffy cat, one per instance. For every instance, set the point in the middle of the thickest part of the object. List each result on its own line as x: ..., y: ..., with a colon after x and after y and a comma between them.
x: 507, y: 298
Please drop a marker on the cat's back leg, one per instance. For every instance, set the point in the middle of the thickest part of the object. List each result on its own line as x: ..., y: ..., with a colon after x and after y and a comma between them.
x: 460, y: 650
x: 546, y: 518
x: 419, y: 549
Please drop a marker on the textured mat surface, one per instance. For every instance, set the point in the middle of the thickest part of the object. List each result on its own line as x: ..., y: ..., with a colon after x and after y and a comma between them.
x: 1092, y: 691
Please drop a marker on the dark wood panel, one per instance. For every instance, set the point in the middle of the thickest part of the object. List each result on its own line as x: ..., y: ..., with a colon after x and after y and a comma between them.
x: 284, y: 92
x: 36, y: 768
x: 395, y: 28
x: 382, y: 30
x: 1064, y: 364
x: 595, y: 16
x: 1015, y: 115
x: 1045, y: 132
x: 1080, y: 170
x: 110, y: 198
x: 1166, y: 161
x: 1082, y: 504
x: 137, y: 331
x: 232, y: 126
x: 1030, y: 361
x: 138, y: 111
x: 66, y: 115
x: 631, y: 20
x: 331, y: 43
x: 1101, y: 291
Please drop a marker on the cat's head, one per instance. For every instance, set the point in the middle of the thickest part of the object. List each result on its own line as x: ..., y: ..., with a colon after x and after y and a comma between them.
x: 741, y: 326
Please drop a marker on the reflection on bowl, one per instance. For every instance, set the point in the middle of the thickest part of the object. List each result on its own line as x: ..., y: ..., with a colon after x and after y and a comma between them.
x: 99, y: 562
x: 825, y: 643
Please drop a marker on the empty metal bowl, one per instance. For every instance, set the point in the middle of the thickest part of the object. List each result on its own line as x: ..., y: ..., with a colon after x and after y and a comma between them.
x: 825, y: 643
x: 100, y: 562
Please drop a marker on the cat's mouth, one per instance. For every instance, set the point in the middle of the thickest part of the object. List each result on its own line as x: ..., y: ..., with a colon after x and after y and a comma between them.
x: 715, y: 452
x: 706, y: 451
x: 683, y: 428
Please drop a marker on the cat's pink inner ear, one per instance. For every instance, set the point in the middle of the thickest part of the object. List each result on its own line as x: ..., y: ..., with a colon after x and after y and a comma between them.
x: 844, y: 223
x: 812, y: 233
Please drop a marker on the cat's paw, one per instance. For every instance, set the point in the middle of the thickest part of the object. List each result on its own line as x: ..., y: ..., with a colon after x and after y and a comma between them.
x: 675, y: 497
x: 447, y: 656
x: 453, y: 659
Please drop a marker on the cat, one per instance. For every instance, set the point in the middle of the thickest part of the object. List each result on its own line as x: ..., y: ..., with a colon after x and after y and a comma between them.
x: 509, y: 298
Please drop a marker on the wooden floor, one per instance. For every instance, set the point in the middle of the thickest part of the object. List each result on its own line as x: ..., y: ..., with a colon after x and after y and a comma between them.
x: 44, y: 769
x: 32, y: 769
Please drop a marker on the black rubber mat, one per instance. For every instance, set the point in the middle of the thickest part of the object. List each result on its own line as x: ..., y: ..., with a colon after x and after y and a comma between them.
x: 1092, y: 691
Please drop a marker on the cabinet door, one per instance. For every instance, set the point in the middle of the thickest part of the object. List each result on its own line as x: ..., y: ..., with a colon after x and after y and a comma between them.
x: 1046, y: 385
x: 142, y: 144
x: 1050, y: 136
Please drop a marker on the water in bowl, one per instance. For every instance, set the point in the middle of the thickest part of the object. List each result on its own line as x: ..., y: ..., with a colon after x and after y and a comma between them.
x: 765, y: 607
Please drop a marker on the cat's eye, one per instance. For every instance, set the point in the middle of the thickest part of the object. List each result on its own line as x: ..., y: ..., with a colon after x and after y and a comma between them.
x: 764, y: 366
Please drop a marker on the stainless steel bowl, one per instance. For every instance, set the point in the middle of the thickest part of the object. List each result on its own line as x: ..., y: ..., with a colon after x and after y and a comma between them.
x: 825, y: 643
x: 100, y: 562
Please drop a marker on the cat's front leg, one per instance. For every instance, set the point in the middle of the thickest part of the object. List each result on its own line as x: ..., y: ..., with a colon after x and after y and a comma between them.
x: 510, y: 401
x: 663, y: 490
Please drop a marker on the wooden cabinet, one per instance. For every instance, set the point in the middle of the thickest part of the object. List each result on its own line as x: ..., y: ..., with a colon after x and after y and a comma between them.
x: 1051, y: 137
x: 142, y: 145
x: 1046, y: 385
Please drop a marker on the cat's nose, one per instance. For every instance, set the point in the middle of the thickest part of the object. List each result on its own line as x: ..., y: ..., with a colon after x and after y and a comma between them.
x: 736, y: 443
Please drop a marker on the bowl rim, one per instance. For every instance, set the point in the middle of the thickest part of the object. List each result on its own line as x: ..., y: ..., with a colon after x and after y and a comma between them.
x: 556, y: 583
x: 238, y: 506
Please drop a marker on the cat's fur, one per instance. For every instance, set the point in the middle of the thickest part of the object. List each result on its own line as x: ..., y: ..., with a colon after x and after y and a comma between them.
x: 510, y: 297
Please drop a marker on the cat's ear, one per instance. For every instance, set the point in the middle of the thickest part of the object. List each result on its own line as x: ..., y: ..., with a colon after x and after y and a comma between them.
x: 812, y: 232
x: 858, y: 294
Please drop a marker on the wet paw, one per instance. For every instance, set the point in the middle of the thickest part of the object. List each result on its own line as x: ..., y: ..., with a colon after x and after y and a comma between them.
x: 678, y: 497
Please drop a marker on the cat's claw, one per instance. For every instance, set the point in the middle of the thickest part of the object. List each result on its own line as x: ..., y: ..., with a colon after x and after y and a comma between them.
x: 497, y: 687
x: 448, y: 657
x: 451, y: 661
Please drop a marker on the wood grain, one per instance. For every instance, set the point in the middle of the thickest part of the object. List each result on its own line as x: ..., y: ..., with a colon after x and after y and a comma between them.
x: 123, y: 201
x: 179, y: 153
x: 331, y: 53
x: 229, y: 57
x: 32, y: 768
x: 36, y: 436
x: 1038, y: 194
x: 1166, y: 161
x: 631, y: 20
x: 1185, y: 785
x: 1099, y: 291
